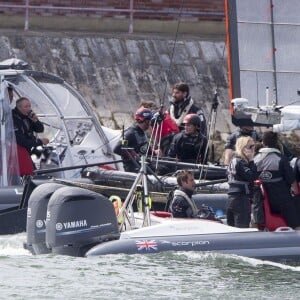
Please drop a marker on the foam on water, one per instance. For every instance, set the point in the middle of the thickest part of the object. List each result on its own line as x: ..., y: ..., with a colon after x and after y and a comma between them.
x: 206, y: 256
x: 12, y: 245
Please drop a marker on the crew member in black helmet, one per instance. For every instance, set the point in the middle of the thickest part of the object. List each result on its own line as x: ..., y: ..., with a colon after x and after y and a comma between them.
x: 135, y: 141
x: 190, y: 144
x: 231, y: 140
x: 182, y: 104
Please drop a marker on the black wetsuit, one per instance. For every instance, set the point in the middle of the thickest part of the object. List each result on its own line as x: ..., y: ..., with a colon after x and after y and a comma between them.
x: 180, y: 207
x: 136, y: 139
x: 188, y: 148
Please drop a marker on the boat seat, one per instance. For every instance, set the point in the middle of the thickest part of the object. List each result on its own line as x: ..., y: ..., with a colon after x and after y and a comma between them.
x: 272, y: 220
x: 161, y: 213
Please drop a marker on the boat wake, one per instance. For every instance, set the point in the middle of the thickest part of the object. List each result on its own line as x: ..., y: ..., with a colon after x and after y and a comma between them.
x: 12, y: 245
x: 224, y: 260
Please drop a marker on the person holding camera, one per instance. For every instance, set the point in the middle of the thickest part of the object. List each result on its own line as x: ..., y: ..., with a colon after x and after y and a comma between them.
x: 135, y: 142
x: 26, y: 124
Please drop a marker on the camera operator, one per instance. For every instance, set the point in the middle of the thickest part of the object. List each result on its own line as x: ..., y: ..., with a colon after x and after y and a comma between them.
x: 26, y: 123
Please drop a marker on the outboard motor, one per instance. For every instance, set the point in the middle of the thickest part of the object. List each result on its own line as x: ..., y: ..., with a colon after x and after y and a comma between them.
x: 78, y: 219
x: 36, y: 217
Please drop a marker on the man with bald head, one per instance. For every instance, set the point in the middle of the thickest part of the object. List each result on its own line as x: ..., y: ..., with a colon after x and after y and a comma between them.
x: 26, y: 124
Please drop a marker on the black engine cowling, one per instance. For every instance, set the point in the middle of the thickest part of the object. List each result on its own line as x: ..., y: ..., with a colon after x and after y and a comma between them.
x: 78, y: 219
x: 36, y: 217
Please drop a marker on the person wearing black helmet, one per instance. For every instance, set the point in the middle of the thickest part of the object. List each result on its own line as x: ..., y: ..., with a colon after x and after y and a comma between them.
x: 231, y: 140
x: 182, y: 104
x: 189, y: 145
x: 135, y: 141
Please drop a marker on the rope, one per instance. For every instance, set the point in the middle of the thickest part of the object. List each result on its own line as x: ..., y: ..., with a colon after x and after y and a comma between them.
x: 173, y: 52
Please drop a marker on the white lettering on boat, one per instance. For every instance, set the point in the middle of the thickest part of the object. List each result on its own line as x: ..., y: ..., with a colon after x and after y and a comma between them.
x: 75, y: 224
x: 192, y: 243
x: 187, y: 243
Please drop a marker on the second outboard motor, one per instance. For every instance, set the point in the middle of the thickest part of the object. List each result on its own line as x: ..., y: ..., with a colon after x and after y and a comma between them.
x: 36, y: 217
x: 78, y: 219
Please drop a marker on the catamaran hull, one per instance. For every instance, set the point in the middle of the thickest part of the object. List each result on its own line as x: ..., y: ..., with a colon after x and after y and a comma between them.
x: 273, y: 246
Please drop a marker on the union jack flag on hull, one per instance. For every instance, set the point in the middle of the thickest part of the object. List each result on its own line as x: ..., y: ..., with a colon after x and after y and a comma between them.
x: 146, y: 245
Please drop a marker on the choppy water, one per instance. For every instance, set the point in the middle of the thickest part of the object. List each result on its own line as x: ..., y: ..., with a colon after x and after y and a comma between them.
x: 184, y: 275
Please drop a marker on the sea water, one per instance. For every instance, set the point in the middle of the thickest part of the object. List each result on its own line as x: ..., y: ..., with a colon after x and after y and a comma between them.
x: 169, y: 275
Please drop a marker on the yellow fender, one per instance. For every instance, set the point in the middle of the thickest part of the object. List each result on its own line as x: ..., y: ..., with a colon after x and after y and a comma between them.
x: 140, y: 201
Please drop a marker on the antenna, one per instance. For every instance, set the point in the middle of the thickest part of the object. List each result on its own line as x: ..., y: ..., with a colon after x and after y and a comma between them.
x: 267, y: 96
x: 257, y: 100
x: 274, y: 101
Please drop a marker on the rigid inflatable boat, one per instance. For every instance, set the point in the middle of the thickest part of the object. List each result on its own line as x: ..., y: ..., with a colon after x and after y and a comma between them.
x: 74, y: 221
x: 282, y: 245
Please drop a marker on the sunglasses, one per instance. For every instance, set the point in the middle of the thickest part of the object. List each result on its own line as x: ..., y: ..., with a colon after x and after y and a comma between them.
x: 250, y: 147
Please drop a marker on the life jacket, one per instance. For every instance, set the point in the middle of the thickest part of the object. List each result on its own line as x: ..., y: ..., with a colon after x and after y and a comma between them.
x: 234, y: 181
x: 140, y: 201
x: 189, y: 200
x: 179, y: 110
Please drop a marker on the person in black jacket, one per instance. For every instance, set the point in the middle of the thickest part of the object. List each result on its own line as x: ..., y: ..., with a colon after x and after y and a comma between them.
x: 135, y: 141
x: 277, y: 176
x: 241, y: 175
x: 189, y: 145
x: 26, y: 124
x: 182, y: 104
x: 231, y: 141
x: 182, y: 204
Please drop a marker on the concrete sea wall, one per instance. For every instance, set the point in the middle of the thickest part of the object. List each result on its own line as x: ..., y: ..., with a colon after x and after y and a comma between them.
x: 115, y: 71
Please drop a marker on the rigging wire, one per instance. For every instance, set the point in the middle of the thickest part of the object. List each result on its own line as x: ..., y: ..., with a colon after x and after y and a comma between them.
x: 172, y: 53
x: 211, y: 124
x: 162, y: 100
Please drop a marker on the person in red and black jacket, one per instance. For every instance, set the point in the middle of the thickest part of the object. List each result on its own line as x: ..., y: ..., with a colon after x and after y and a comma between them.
x: 135, y: 141
x: 26, y: 124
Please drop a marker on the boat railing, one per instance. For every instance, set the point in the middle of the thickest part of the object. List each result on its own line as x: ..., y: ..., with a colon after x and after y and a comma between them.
x: 170, y: 13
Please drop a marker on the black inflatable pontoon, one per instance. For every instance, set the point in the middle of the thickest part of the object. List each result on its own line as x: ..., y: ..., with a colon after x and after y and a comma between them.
x: 282, y: 245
